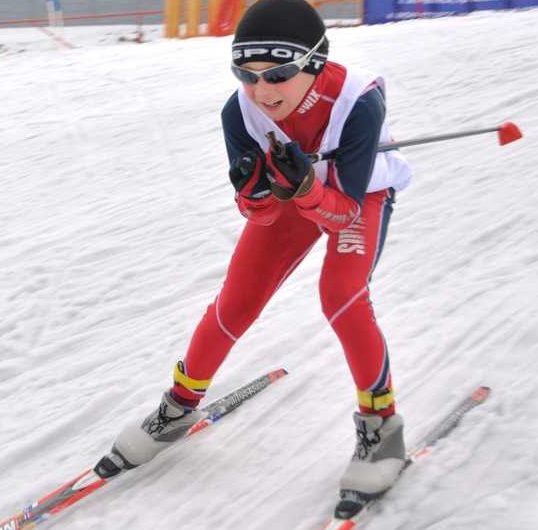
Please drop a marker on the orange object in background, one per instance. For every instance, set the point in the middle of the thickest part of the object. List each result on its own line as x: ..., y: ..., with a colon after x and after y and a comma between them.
x: 174, y: 11
x: 187, y: 18
x: 193, y: 18
x: 224, y: 16
x: 171, y: 18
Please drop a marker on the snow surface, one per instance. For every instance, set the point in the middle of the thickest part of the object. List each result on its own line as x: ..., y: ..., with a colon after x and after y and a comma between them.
x: 116, y: 225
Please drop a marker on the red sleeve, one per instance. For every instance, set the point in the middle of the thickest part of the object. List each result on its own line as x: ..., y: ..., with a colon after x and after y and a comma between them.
x: 260, y: 211
x: 327, y: 207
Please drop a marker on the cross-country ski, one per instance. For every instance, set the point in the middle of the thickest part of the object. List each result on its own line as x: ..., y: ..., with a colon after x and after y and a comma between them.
x: 350, y: 515
x: 94, y: 478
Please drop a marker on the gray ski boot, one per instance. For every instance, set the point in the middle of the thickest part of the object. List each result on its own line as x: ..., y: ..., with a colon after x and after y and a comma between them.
x: 378, y: 460
x: 139, y: 443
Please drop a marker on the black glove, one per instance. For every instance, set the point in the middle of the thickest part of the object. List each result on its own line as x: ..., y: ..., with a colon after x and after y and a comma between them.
x: 248, y: 175
x: 291, y: 171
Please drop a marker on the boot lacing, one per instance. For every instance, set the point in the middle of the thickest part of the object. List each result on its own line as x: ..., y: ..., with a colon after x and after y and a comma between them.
x: 365, y: 441
x: 161, y: 421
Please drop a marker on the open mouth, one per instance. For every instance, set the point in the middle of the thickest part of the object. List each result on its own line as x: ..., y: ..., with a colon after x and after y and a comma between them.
x: 272, y: 106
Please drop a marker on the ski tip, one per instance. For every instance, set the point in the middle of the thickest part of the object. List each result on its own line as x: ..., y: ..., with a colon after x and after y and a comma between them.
x: 277, y: 374
x: 14, y: 522
x: 481, y: 393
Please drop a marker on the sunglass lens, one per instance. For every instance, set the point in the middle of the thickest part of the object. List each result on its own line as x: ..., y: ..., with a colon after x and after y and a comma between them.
x: 249, y: 78
x: 275, y: 75
x: 279, y: 74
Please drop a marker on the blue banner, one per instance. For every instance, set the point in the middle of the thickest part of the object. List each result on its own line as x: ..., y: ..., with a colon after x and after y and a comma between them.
x: 380, y: 11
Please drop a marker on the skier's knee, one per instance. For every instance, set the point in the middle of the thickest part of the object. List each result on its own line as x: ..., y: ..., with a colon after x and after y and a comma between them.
x: 336, y: 296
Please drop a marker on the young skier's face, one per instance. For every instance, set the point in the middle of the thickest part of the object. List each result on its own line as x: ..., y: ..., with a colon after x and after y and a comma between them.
x: 277, y: 100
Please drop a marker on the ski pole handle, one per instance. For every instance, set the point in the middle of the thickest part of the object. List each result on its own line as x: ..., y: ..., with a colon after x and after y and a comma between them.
x: 277, y: 147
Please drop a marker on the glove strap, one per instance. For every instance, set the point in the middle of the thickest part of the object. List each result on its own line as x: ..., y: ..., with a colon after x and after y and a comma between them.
x: 287, y: 194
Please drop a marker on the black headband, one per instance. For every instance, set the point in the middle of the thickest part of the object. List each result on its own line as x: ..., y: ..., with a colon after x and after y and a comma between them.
x: 279, y: 52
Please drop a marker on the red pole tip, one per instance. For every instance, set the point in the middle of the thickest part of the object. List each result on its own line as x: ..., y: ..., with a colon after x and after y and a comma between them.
x: 509, y: 132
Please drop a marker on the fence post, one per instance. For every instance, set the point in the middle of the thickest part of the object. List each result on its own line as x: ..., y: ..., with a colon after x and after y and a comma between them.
x: 224, y: 16
x: 171, y: 18
x: 193, y: 18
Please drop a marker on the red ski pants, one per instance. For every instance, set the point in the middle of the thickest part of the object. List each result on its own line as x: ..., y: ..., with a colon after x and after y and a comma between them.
x: 264, y: 257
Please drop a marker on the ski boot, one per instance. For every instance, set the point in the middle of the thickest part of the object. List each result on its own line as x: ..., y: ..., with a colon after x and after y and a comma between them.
x: 139, y: 443
x: 378, y: 459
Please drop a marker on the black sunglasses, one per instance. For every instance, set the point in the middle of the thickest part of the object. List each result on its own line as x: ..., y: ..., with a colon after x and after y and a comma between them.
x: 275, y: 74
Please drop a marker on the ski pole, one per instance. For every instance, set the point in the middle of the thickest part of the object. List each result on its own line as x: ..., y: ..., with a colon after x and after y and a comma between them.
x: 507, y: 132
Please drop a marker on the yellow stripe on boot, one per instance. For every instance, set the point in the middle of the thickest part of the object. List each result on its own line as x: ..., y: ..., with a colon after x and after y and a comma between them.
x: 194, y: 385
x: 378, y: 400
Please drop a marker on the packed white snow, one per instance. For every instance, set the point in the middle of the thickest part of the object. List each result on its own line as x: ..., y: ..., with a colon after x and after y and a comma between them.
x: 117, y: 221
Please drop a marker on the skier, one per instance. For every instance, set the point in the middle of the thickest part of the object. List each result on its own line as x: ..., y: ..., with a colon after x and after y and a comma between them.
x: 293, y: 101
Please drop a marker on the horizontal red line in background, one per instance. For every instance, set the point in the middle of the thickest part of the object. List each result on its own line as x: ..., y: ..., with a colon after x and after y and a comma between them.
x: 32, y: 21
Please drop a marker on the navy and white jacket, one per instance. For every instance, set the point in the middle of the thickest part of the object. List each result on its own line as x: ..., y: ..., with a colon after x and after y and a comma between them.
x: 342, y: 111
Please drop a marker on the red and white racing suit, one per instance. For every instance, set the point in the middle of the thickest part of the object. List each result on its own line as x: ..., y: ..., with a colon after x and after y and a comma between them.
x: 351, y: 202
